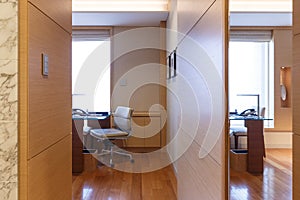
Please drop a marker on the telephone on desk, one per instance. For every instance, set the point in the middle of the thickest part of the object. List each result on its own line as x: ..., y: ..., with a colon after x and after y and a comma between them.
x: 245, y: 113
x: 248, y: 112
x: 80, y: 112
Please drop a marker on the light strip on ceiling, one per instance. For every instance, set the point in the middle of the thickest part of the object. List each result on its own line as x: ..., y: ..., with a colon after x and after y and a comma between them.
x: 120, y: 5
x: 260, y: 6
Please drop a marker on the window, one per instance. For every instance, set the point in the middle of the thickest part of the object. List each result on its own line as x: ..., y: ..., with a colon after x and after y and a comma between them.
x: 91, y: 70
x: 251, y: 71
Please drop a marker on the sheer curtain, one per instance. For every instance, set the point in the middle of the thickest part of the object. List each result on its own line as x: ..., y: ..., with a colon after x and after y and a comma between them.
x: 251, y: 72
x: 91, y: 70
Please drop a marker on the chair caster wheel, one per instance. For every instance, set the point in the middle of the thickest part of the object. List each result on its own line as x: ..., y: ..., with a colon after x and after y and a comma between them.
x: 111, y: 164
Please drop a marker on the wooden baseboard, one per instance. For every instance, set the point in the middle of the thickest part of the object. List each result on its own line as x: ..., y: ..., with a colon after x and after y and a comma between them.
x: 273, y: 140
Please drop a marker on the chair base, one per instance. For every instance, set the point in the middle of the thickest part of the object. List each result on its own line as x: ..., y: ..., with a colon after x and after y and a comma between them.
x: 111, y: 152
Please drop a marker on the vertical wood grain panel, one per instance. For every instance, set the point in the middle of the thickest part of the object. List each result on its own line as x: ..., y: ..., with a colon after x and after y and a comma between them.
x: 296, y: 17
x: 138, y: 132
x: 208, y: 33
x: 145, y: 96
x: 296, y: 167
x: 23, y: 101
x: 296, y: 84
x: 189, y: 12
x: 199, y: 178
x: 50, y: 176
x: 296, y: 99
x: 283, y: 57
x: 202, y: 178
x: 59, y: 11
x: 124, y: 67
x: 152, y: 132
x: 225, y: 161
x: 45, y: 102
x: 162, y: 81
x: 49, y: 97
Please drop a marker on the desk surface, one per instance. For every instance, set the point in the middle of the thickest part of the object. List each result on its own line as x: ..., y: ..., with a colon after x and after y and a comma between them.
x: 90, y: 117
x: 239, y: 117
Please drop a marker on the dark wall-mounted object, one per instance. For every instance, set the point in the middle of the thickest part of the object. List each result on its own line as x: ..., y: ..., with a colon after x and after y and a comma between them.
x: 171, y: 64
x: 285, y: 87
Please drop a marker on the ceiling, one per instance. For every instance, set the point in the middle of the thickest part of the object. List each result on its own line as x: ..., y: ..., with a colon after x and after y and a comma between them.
x: 260, y: 12
x: 151, y: 12
x: 260, y: 5
x: 119, y: 12
x: 145, y: 18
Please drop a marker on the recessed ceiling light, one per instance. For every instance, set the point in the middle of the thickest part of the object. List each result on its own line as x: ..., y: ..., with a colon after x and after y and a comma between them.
x: 120, y: 5
x: 260, y: 5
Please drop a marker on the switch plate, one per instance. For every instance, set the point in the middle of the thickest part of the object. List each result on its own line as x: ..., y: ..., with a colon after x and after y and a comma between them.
x: 44, y: 64
x: 123, y: 82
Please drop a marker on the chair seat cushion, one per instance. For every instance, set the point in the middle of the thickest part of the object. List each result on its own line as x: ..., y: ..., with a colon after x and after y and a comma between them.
x: 240, y: 134
x: 238, y: 130
x: 109, y: 132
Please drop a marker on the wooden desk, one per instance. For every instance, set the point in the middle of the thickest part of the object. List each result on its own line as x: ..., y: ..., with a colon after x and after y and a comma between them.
x: 255, y: 143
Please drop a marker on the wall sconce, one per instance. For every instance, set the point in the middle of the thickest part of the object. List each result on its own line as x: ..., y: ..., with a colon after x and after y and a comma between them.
x: 285, y: 86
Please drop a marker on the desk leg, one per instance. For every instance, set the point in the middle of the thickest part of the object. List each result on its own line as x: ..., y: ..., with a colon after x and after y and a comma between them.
x: 256, y: 148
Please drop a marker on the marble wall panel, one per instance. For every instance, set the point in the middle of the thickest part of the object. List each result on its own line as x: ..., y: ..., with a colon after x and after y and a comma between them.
x: 8, y: 99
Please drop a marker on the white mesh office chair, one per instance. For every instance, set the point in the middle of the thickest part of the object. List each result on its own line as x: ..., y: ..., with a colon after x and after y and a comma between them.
x: 241, y: 131
x: 122, y: 122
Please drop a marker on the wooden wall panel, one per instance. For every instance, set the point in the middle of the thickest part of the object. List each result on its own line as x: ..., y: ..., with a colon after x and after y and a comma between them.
x: 204, y: 173
x: 296, y: 16
x: 152, y: 132
x: 283, y: 57
x: 45, y: 102
x: 296, y: 166
x: 138, y: 133
x: 296, y: 99
x: 50, y: 176
x: 125, y: 67
x: 133, y: 59
x: 23, y: 102
x: 144, y: 97
x: 189, y: 12
x: 163, y: 82
x: 49, y: 97
x: 57, y: 10
x: 202, y: 178
x: 296, y: 84
x: 208, y: 33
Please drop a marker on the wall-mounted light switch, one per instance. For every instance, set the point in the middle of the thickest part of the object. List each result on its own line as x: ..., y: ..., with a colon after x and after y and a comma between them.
x: 123, y: 82
x: 44, y: 64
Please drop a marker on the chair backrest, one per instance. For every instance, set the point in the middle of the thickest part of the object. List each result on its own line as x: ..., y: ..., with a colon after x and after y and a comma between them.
x: 262, y: 112
x: 122, y: 118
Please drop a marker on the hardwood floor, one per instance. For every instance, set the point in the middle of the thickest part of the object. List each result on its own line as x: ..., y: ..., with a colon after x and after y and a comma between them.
x: 281, y: 158
x: 274, y: 184
x: 109, y: 184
